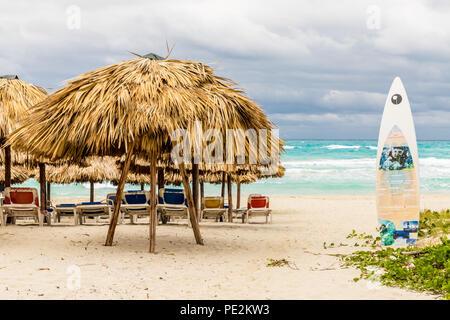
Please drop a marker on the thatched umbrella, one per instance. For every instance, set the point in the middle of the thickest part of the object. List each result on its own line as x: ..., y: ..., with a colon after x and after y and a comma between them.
x: 92, y: 170
x: 134, y: 178
x: 241, y: 175
x: 16, y: 97
x: 18, y: 175
x: 133, y: 107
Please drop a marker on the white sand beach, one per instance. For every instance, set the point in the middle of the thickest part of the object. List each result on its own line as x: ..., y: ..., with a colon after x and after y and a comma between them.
x: 38, y: 263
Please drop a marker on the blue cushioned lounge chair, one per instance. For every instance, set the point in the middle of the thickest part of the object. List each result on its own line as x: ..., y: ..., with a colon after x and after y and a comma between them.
x: 135, y: 204
x: 92, y: 209
x: 172, y: 204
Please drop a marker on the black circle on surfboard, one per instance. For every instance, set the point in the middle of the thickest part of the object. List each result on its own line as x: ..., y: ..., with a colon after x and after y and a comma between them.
x: 396, y: 98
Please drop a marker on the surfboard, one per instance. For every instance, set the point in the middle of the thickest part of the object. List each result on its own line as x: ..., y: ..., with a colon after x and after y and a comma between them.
x: 397, y: 188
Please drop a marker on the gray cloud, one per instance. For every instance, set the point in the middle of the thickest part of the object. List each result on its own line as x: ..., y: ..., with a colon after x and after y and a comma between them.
x: 317, y: 69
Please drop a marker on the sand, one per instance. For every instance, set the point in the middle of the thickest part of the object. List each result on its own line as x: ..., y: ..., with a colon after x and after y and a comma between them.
x: 70, y: 262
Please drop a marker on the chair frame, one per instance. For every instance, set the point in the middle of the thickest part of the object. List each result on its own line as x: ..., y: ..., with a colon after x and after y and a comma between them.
x: 65, y: 211
x: 15, y: 210
x: 216, y: 213
x: 168, y: 211
x: 131, y: 209
x: 82, y: 214
x: 257, y: 211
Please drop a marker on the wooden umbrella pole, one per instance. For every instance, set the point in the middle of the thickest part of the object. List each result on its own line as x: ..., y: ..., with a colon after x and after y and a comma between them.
x: 195, y: 188
x: 153, y: 214
x: 43, y: 190
x: 230, y: 199
x: 238, y: 197
x: 48, y: 191
x: 142, y: 187
x: 7, y: 166
x: 192, y: 215
x: 223, y: 185
x: 202, y: 191
x: 91, y: 197
x: 119, y: 194
x: 160, y: 179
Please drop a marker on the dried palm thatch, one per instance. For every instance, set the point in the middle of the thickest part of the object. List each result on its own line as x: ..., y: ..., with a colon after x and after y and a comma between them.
x: 16, y: 97
x: 94, y: 169
x: 141, y: 166
x: 18, y: 174
x: 18, y: 159
x: 211, y: 174
x: 133, y: 178
x: 101, y: 112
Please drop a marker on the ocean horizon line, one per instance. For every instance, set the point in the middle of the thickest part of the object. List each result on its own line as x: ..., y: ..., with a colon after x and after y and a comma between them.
x: 352, y: 139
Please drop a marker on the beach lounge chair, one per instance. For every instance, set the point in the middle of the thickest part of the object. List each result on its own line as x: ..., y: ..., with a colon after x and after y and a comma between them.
x: 64, y: 210
x: 135, y: 204
x: 172, y: 203
x: 21, y: 202
x: 110, y: 201
x: 257, y: 205
x: 239, y: 213
x: 212, y: 207
x: 92, y: 209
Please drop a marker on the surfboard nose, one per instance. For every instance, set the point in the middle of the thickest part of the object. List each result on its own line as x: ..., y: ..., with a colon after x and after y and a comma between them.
x: 397, y: 82
x: 397, y: 92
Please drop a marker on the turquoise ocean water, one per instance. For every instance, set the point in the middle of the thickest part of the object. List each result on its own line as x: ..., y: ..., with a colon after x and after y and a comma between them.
x: 316, y: 167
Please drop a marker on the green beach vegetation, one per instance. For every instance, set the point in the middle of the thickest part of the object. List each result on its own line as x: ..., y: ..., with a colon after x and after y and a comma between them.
x: 423, y: 268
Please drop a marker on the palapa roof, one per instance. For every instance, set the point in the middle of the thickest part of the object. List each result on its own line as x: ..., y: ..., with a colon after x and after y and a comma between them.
x: 16, y: 97
x: 133, y: 178
x: 172, y: 175
x: 143, y: 100
x: 242, y: 176
x: 18, y: 174
x: 18, y: 159
x: 93, y: 169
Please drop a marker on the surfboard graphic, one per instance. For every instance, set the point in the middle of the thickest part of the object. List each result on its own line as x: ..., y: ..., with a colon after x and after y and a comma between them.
x: 397, y: 189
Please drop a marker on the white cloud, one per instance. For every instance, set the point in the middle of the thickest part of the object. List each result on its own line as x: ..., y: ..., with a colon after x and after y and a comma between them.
x: 358, y: 100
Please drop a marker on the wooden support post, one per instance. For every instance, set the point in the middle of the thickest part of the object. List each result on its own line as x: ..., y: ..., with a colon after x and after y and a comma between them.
x: 48, y: 191
x: 42, y: 185
x: 7, y: 166
x: 238, y: 197
x: 153, y: 213
x: 192, y: 215
x: 222, y: 194
x: 142, y: 187
x: 195, y: 188
x: 91, y: 195
x: 43, y: 191
x: 230, y: 199
x: 202, y: 191
x: 160, y: 178
x: 119, y: 194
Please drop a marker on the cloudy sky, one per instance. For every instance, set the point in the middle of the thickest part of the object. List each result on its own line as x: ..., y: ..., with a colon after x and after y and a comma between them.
x: 320, y: 69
